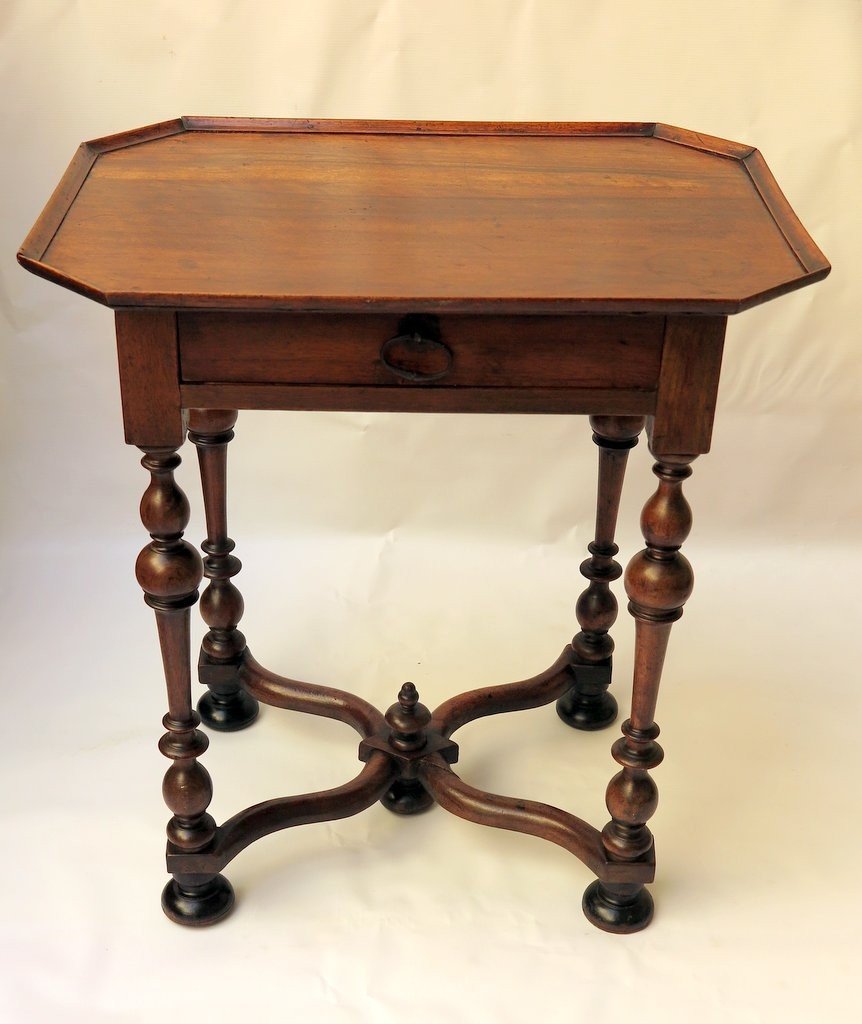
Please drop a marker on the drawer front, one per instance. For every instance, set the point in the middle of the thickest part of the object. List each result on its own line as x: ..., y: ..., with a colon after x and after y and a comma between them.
x: 452, y: 351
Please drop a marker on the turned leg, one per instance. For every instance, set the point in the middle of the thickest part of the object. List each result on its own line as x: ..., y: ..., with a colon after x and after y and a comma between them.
x: 658, y: 582
x: 226, y: 706
x: 169, y: 571
x: 588, y: 705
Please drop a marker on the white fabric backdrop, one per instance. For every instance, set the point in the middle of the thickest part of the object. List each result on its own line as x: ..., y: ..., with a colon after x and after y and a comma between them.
x: 444, y: 549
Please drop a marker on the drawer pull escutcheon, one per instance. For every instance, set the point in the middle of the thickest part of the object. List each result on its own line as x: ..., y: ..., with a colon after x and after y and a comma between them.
x: 419, y: 336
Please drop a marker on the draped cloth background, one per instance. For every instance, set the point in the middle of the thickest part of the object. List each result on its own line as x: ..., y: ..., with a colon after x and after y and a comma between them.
x: 444, y: 550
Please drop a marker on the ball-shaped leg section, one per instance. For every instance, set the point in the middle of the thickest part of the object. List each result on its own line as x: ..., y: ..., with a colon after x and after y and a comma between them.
x: 407, y: 796
x: 620, y: 909
x: 198, y: 904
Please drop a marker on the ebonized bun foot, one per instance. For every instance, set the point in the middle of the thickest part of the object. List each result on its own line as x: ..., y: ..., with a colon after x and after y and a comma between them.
x: 618, y: 908
x: 587, y: 712
x: 198, y: 905
x: 228, y: 713
x: 407, y: 796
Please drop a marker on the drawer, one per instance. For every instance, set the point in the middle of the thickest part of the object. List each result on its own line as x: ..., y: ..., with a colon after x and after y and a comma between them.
x: 421, y: 352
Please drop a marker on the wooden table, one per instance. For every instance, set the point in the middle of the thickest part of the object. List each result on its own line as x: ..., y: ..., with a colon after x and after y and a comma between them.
x: 418, y: 266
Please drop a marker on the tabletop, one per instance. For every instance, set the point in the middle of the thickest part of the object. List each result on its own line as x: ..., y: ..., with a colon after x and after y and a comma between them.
x: 351, y: 216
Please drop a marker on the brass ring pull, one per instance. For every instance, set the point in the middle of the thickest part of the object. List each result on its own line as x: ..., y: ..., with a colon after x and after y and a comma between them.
x: 418, y: 340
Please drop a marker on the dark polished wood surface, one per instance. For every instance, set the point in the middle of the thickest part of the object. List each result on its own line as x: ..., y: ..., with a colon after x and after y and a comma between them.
x: 418, y: 266
x: 349, y: 216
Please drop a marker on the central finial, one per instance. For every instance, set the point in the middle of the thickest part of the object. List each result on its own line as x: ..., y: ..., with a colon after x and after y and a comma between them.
x: 407, y: 720
x: 408, y: 697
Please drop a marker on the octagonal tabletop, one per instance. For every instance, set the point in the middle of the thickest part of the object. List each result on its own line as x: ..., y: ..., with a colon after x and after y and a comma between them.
x: 350, y: 215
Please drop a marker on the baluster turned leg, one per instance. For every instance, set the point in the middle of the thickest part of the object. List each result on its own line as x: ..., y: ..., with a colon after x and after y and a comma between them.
x: 226, y: 707
x: 658, y: 582
x: 169, y: 571
x: 588, y: 705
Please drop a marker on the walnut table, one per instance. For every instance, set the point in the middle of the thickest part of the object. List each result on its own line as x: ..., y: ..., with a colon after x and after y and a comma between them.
x: 418, y: 267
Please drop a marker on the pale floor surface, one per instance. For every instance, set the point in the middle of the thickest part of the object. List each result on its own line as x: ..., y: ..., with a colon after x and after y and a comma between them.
x: 377, y: 919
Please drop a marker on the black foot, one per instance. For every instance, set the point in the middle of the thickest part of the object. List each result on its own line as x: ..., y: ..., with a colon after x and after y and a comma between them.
x: 407, y: 796
x: 200, y: 904
x: 618, y: 908
x: 587, y: 711
x: 228, y: 712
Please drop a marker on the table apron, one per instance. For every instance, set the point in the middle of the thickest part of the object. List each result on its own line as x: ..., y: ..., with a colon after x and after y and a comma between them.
x: 326, y: 398
x: 664, y: 368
